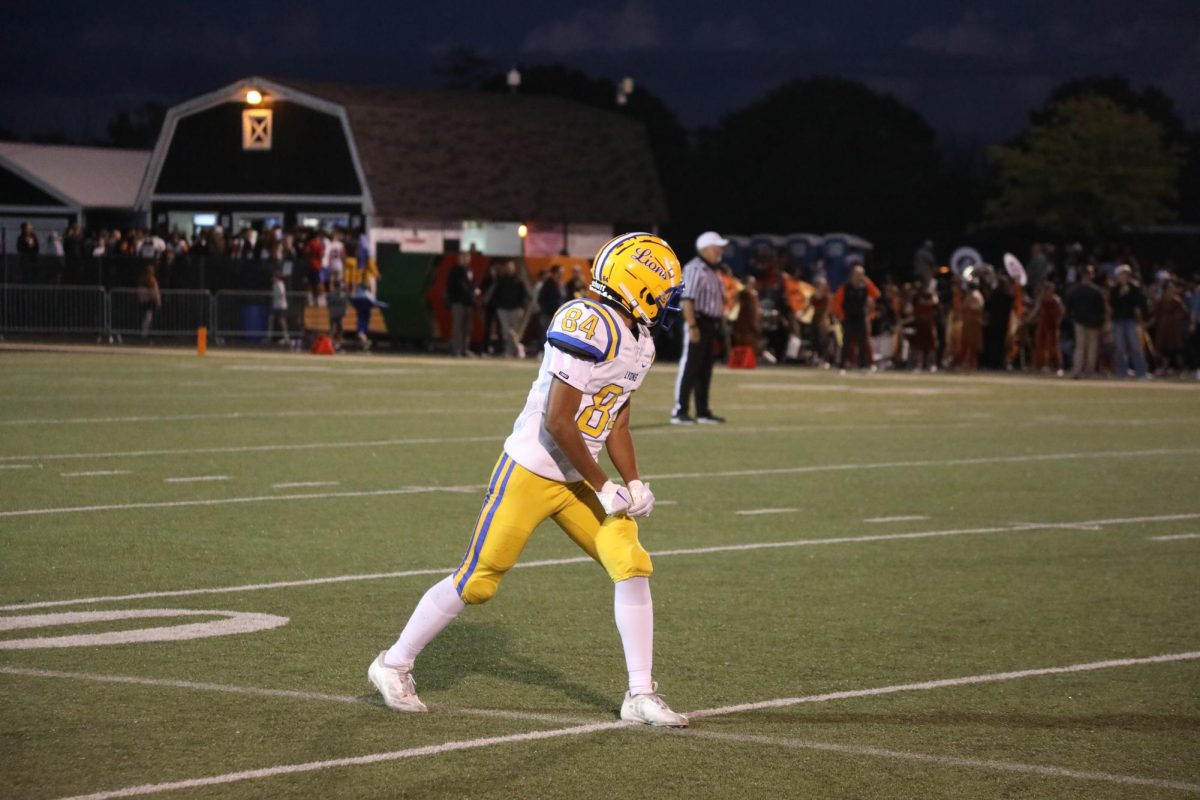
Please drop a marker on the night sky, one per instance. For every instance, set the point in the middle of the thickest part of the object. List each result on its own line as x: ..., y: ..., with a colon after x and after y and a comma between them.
x: 973, y: 70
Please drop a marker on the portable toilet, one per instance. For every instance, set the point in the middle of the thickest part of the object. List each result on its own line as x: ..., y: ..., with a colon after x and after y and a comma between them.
x: 737, y: 254
x: 842, y: 251
x: 803, y: 250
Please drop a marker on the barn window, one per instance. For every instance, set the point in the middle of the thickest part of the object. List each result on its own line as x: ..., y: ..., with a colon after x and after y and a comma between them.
x: 256, y: 129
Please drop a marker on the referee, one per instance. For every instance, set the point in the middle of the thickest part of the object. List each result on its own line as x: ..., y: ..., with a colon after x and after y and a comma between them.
x: 703, y: 307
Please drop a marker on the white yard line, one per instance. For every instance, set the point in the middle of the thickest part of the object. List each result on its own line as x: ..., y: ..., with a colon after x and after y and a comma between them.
x: 223, y: 501
x: 859, y: 751
x: 256, y: 691
x: 16, y: 466
x: 394, y: 412
x: 374, y: 758
x: 198, y: 478
x: 576, y: 730
x: 944, y: 462
x: 910, y: 518
x: 94, y: 473
x: 1175, y: 538
x: 924, y: 686
x: 303, y: 484
x: 737, y: 473
x: 754, y: 512
x: 733, y: 430
x: 259, y: 448
x: 556, y: 562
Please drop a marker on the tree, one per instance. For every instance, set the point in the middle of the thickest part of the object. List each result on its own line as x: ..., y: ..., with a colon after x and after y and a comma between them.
x: 825, y: 154
x: 1155, y: 104
x: 1090, y: 169
x: 463, y: 68
x: 137, y: 129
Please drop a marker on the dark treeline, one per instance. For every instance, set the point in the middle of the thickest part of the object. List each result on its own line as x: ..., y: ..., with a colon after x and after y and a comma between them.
x: 1099, y: 161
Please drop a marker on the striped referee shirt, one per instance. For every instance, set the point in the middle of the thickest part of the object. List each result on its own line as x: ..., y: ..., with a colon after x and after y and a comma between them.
x: 702, y: 285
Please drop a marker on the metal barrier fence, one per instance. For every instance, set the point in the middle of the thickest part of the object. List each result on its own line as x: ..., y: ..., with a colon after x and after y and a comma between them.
x: 120, y: 313
x: 180, y: 313
x: 73, y: 310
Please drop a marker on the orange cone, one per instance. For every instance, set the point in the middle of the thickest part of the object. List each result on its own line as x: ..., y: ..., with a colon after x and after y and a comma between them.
x: 201, y: 340
x: 322, y: 346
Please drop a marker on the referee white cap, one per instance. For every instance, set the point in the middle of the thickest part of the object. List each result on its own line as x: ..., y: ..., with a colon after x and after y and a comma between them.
x: 710, y: 239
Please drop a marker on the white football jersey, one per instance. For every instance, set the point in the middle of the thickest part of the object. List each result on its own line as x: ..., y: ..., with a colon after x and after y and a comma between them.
x: 588, y: 346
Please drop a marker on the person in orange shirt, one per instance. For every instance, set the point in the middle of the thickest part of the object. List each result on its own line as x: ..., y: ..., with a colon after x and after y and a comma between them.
x: 854, y: 305
x: 971, y: 345
x: 1047, y: 317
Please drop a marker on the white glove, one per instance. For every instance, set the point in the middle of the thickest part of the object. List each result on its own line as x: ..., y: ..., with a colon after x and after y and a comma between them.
x: 643, y: 499
x: 615, y: 499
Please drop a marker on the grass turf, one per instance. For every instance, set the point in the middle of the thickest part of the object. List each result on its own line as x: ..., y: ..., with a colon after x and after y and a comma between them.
x: 975, y: 456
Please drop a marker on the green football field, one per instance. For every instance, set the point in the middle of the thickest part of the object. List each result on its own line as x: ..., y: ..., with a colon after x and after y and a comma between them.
x: 866, y: 586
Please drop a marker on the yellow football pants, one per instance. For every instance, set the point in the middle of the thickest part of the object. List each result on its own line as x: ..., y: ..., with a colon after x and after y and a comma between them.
x: 517, y: 501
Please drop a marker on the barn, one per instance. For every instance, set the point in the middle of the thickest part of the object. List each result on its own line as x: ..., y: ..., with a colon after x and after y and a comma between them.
x: 424, y: 171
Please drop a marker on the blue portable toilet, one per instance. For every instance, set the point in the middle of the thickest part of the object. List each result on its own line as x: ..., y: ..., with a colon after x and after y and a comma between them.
x: 803, y: 251
x: 737, y: 254
x: 842, y: 251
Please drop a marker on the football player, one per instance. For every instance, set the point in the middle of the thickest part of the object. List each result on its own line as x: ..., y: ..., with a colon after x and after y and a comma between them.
x: 598, y: 352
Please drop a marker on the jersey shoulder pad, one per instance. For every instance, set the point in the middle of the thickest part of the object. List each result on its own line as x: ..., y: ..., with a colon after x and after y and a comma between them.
x: 585, y: 328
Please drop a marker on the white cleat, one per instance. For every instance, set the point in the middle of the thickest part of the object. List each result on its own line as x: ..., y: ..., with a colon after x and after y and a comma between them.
x: 396, y: 685
x: 651, y: 709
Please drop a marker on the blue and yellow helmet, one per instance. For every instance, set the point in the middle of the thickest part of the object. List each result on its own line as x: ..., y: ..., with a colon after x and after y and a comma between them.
x: 639, y: 273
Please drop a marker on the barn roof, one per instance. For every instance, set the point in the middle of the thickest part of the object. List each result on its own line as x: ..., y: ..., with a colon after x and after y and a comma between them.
x: 86, y: 177
x: 460, y: 155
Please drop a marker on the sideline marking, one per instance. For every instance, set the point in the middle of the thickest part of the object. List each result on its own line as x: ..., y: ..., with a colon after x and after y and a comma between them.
x: 93, y: 473
x: 197, y: 478
x: 945, y: 761
x: 233, y: 622
x: 738, y: 473
x: 752, y: 512
x: 1174, y: 538
x: 911, y: 518
x: 303, y: 484
x: 555, y: 562
x: 576, y: 730
x: 16, y: 466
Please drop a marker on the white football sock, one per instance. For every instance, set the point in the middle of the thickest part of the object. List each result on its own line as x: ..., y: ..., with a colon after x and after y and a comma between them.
x: 633, y: 609
x: 437, y: 608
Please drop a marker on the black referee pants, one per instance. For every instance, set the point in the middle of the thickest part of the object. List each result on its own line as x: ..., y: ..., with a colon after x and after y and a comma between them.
x: 696, y: 367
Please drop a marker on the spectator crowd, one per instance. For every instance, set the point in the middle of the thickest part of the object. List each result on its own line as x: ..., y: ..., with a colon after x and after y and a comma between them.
x: 1088, y: 314
x: 1070, y: 312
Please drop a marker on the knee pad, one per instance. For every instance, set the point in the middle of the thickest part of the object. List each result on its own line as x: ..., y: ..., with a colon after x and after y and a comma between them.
x: 478, y: 589
x: 621, y: 554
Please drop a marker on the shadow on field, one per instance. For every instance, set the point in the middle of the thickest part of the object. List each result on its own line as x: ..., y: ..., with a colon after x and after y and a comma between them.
x: 465, y: 648
x: 1127, y: 721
